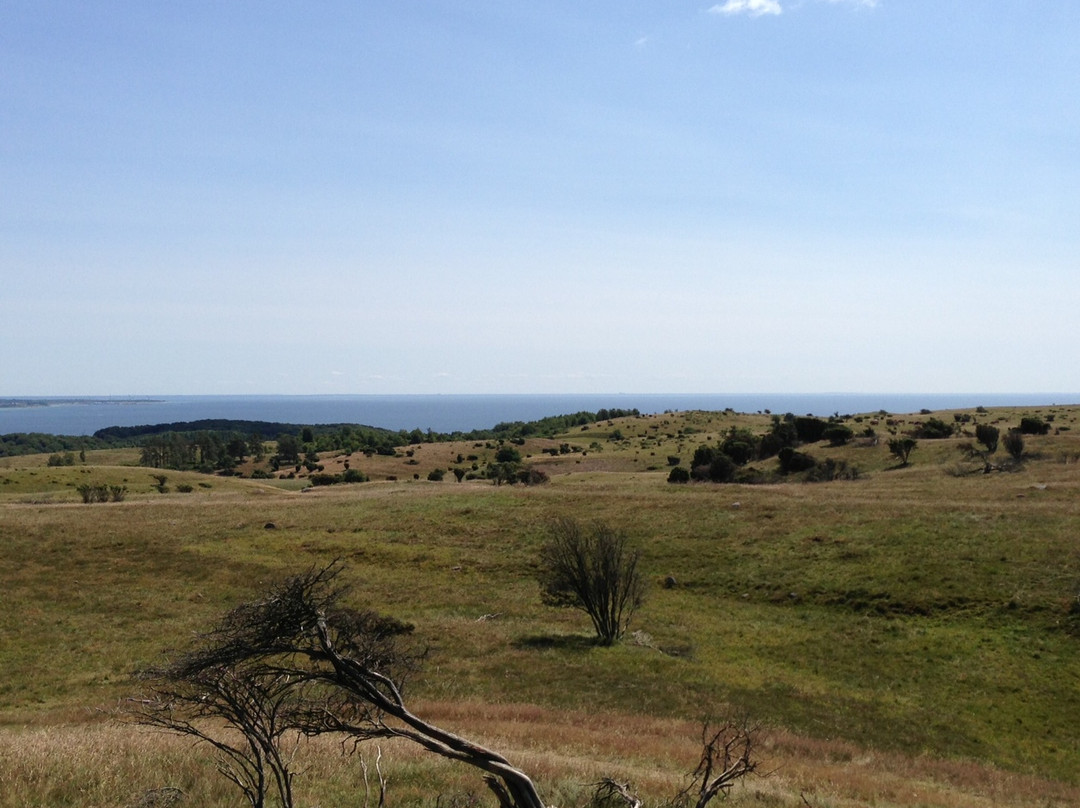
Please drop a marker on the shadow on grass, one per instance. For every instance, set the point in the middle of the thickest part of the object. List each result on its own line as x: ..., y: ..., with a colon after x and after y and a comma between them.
x: 568, y: 642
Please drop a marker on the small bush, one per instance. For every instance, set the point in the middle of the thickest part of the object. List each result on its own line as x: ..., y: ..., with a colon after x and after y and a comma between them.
x: 532, y: 476
x: 185, y: 488
x: 901, y: 448
x: 838, y: 434
x: 436, y: 475
x: 988, y: 436
x: 935, y: 429
x: 829, y: 469
x: 1033, y: 425
x: 508, y: 454
x: 101, y: 493
x: 678, y: 475
x: 792, y: 462
x: 720, y: 470
x: 809, y: 429
x: 1014, y: 443
x: 674, y: 460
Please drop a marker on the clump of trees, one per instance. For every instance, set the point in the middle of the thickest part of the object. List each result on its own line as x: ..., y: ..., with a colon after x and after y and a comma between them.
x: 299, y: 662
x: 726, y: 462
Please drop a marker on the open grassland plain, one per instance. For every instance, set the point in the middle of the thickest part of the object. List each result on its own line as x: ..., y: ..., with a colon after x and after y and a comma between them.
x: 910, y: 637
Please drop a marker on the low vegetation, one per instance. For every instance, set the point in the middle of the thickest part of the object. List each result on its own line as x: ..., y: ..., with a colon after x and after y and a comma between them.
x: 909, y: 635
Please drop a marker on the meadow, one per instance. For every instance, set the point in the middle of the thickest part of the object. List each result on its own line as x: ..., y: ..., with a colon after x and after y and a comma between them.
x: 910, y: 637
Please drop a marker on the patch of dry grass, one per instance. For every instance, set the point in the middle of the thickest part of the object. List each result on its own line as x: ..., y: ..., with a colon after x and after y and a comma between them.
x: 111, y: 765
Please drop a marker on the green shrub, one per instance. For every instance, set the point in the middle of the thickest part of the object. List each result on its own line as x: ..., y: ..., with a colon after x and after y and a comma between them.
x: 987, y: 435
x: 1014, y: 443
x: 810, y: 429
x: 1034, y: 425
x: 720, y: 470
x: 792, y: 462
x: 838, y: 434
x: 532, y: 476
x: 508, y: 454
x: 436, y: 475
x: 829, y: 469
x: 679, y: 475
x: 935, y: 429
x: 901, y: 448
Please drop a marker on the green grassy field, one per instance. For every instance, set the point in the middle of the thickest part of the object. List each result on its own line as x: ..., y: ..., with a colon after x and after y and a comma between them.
x: 912, y: 636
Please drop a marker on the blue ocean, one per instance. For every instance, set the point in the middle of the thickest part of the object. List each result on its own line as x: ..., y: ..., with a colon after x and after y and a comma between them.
x: 448, y: 413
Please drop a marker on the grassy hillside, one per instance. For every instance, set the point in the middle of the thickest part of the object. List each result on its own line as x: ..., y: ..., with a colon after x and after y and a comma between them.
x: 912, y: 636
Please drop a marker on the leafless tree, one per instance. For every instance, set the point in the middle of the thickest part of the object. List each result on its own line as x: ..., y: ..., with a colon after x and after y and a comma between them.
x: 592, y: 568
x: 243, y: 711
x: 727, y: 755
x: 322, y: 668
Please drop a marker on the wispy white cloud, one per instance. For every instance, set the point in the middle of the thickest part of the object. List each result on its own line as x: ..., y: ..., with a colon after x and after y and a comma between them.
x: 755, y: 8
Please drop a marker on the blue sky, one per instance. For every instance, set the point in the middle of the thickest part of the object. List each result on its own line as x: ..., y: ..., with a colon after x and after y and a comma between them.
x: 400, y: 197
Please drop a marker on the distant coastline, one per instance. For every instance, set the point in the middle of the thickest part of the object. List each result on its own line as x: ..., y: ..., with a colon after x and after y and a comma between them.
x: 21, y: 403
x: 460, y: 412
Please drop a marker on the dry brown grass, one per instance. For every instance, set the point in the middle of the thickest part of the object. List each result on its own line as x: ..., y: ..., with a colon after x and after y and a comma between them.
x: 109, y: 765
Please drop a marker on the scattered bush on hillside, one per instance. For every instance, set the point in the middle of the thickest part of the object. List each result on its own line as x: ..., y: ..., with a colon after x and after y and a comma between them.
x: 935, y: 429
x: 810, y: 429
x: 436, y: 475
x: 592, y: 568
x: 678, y: 475
x: 901, y: 448
x: 838, y: 434
x: 1034, y: 425
x: 720, y: 469
x: 101, y: 493
x: 1014, y: 443
x: 508, y: 454
x: 530, y: 475
x: 740, y: 445
x: 988, y: 436
x: 829, y: 470
x: 792, y: 462
x: 65, y: 459
x: 349, y: 476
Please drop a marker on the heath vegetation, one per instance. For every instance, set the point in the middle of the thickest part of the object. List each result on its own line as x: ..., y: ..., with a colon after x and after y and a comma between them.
x: 905, y: 630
